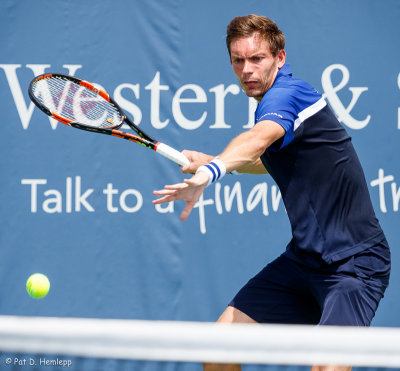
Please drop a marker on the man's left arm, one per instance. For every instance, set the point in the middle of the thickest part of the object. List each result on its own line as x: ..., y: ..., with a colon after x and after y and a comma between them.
x: 246, y: 149
x: 198, y: 158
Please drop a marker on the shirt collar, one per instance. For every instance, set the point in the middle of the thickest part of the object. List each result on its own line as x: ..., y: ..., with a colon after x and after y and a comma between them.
x: 284, y: 71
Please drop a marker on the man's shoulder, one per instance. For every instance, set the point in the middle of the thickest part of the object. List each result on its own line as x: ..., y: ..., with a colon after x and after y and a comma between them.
x: 292, y: 86
x: 290, y: 93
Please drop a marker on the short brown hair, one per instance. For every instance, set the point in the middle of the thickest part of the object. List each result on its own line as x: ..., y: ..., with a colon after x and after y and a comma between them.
x: 246, y: 26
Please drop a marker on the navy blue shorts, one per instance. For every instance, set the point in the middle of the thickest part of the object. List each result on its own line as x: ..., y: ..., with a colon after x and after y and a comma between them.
x: 347, y: 293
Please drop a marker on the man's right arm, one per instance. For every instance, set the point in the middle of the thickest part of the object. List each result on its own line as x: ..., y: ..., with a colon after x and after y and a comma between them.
x: 256, y: 167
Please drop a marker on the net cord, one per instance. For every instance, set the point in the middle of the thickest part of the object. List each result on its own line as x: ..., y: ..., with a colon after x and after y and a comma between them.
x: 201, y: 342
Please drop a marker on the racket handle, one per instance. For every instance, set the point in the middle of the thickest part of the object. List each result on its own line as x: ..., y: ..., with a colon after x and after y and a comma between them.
x: 172, y: 154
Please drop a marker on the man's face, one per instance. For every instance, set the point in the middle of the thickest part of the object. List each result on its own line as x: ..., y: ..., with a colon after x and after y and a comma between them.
x: 254, y: 65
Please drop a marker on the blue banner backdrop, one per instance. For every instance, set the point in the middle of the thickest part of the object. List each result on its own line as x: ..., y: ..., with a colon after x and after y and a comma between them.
x: 77, y: 206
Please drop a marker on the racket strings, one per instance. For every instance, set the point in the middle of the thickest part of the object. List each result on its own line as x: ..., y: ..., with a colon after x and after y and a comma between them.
x: 76, y: 103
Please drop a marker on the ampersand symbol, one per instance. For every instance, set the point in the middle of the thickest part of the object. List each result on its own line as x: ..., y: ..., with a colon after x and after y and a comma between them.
x: 330, y: 93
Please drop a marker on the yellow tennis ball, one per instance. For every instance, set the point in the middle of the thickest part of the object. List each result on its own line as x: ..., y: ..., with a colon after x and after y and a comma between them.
x: 37, y: 285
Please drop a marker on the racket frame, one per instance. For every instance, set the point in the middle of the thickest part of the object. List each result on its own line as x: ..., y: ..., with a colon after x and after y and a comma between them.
x: 143, y: 137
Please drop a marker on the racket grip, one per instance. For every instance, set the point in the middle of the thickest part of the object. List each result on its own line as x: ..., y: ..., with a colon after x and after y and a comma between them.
x: 172, y: 154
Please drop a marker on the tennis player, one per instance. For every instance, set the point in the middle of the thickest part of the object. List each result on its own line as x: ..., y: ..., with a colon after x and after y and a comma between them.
x: 336, y: 266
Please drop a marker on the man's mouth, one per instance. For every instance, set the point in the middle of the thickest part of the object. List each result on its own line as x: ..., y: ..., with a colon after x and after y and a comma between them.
x: 250, y: 83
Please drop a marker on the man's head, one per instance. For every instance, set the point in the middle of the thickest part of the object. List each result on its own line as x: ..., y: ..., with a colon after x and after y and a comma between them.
x: 256, y: 48
x: 248, y: 25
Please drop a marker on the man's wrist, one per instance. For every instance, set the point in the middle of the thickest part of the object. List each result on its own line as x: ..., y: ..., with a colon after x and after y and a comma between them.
x: 215, y: 170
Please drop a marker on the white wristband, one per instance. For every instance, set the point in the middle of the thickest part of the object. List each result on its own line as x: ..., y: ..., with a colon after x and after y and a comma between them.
x: 215, y: 169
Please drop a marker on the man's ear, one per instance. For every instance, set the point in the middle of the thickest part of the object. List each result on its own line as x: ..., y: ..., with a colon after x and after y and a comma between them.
x: 281, y: 58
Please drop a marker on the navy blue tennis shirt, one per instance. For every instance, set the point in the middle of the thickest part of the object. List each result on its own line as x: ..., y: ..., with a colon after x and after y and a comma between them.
x: 319, y: 175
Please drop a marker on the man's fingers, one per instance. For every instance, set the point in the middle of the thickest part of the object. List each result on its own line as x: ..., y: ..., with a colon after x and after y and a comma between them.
x: 187, y: 210
x: 169, y: 193
x: 170, y: 189
x: 163, y: 192
x: 188, y: 191
x: 163, y: 200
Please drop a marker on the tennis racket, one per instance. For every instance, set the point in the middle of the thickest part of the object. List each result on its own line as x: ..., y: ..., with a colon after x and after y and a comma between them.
x: 80, y: 104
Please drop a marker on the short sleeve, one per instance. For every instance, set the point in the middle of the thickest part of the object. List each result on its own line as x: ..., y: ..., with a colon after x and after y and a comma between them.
x: 278, y: 105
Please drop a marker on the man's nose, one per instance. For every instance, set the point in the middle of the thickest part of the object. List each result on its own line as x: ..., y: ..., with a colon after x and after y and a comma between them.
x: 247, y: 67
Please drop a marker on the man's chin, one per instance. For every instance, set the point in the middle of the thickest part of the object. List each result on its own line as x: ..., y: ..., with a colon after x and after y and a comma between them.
x: 254, y: 94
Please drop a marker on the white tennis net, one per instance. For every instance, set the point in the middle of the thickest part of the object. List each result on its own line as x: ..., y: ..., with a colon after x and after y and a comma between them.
x: 201, y: 342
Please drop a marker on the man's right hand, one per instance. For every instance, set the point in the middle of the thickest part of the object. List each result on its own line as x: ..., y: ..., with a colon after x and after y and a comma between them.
x: 196, y: 159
